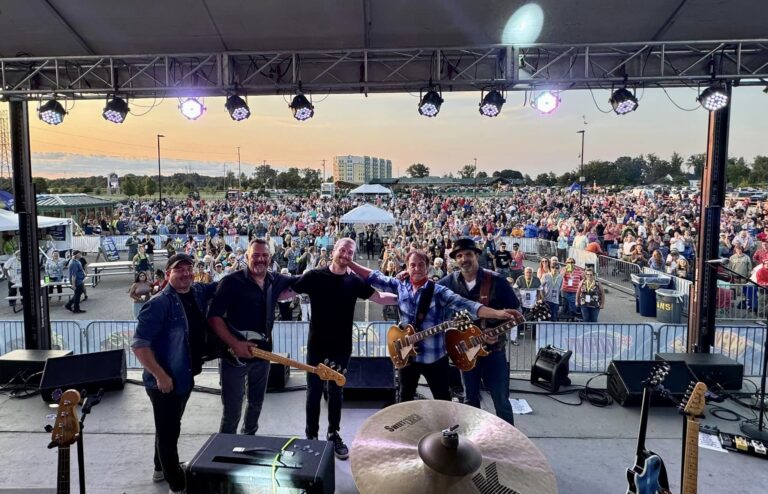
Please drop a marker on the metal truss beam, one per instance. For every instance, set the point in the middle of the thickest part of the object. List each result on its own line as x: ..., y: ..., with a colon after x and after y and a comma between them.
x: 516, y: 68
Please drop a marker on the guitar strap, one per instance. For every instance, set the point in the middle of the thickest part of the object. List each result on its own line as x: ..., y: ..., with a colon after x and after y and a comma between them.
x: 485, y: 290
x: 424, y: 301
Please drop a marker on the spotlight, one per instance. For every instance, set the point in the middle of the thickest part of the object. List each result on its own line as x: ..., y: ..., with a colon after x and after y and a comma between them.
x: 237, y: 108
x: 623, y: 101
x: 546, y: 102
x: 491, y: 104
x: 192, y: 108
x: 714, y: 97
x: 429, y: 106
x: 51, y: 112
x: 302, y: 108
x: 115, y: 111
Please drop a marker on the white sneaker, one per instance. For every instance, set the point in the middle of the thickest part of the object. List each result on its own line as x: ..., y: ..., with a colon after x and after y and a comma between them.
x: 171, y: 491
x: 158, y: 476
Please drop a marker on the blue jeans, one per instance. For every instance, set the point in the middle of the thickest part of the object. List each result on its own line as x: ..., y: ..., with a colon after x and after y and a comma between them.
x: 589, y: 314
x: 570, y: 298
x: 494, y: 372
x: 233, y: 382
x: 553, y: 310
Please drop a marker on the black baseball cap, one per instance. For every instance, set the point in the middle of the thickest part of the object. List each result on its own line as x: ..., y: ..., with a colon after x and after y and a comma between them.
x: 177, y: 259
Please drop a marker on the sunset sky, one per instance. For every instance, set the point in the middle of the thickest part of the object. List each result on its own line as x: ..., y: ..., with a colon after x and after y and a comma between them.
x: 387, y: 126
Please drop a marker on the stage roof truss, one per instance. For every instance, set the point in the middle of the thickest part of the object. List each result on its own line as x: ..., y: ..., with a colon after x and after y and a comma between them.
x: 514, y: 68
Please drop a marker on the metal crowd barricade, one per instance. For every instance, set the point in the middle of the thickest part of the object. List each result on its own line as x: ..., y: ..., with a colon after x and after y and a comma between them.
x: 617, y: 273
x: 741, y: 343
x: 11, y: 336
x: 112, y: 335
x: 291, y: 337
x: 369, y: 339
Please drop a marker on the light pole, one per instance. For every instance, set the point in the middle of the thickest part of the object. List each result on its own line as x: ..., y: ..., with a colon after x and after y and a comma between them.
x: 581, y: 168
x: 474, y: 175
x: 159, y: 179
x: 239, y: 172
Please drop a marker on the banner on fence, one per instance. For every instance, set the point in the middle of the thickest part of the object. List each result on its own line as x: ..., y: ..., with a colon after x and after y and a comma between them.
x: 110, y: 249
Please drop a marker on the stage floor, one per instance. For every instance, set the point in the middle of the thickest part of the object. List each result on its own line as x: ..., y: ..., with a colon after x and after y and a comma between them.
x: 588, y: 448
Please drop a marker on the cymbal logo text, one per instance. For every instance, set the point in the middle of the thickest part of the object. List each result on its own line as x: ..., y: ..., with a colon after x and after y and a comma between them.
x: 409, y: 420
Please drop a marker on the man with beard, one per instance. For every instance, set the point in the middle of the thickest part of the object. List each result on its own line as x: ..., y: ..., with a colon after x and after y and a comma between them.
x: 245, y: 302
x: 333, y: 293
x: 432, y: 360
x: 493, y: 290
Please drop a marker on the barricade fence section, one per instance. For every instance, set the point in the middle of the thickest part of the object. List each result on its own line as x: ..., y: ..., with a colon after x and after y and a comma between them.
x: 617, y: 273
x: 594, y: 345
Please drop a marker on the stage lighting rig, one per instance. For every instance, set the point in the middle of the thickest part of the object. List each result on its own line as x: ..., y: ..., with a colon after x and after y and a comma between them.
x: 51, y: 112
x: 714, y: 97
x: 546, y: 102
x: 302, y: 108
x: 192, y: 108
x: 623, y: 101
x: 115, y: 111
x: 237, y: 108
x: 491, y: 103
x: 429, y: 104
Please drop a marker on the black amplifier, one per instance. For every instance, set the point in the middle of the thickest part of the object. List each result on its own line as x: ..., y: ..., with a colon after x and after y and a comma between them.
x: 713, y: 369
x: 240, y: 464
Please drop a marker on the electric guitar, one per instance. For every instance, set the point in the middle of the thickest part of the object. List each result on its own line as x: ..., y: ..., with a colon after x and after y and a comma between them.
x: 466, y: 343
x: 648, y: 475
x: 401, y: 342
x: 64, y: 432
x: 692, y: 407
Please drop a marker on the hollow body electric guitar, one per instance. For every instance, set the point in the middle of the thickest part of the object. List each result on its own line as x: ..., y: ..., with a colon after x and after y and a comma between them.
x: 692, y: 407
x: 64, y: 432
x: 466, y: 342
x: 402, y: 342
x: 323, y: 371
x: 648, y: 475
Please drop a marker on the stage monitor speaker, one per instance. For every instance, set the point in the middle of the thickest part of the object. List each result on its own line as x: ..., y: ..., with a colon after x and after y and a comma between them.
x: 550, y: 369
x: 278, y: 374
x: 236, y: 463
x: 713, y: 369
x: 88, y: 371
x: 625, y: 381
x: 21, y: 367
x: 370, y: 379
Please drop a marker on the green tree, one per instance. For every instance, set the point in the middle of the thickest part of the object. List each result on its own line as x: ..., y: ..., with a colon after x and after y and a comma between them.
x: 140, y: 188
x: 417, y: 170
x: 695, y: 164
x: 542, y: 179
x: 129, y: 186
x: 482, y: 174
x: 508, y: 174
x: 41, y: 185
x: 150, y: 186
x: 467, y: 172
x: 760, y: 169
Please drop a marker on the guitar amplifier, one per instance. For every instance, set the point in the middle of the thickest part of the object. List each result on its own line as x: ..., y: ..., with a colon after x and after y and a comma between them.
x: 625, y: 381
x: 240, y: 464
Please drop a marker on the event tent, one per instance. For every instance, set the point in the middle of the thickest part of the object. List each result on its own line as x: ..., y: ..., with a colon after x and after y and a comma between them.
x: 9, y: 222
x: 371, y: 189
x: 367, y: 214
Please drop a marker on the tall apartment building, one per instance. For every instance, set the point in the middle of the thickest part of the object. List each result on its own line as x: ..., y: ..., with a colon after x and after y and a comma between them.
x: 360, y: 169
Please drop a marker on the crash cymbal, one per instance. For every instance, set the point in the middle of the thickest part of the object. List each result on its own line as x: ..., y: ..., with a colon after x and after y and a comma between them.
x: 410, y: 447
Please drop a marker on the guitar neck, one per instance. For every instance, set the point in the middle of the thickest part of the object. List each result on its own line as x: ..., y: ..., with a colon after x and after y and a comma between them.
x: 502, y: 328
x: 273, y: 357
x: 691, y: 458
x: 417, y: 337
x: 643, y: 425
x: 62, y: 475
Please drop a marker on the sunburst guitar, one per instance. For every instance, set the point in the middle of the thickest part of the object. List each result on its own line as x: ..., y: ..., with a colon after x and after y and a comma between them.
x: 64, y: 432
x: 466, y: 343
x: 402, y: 342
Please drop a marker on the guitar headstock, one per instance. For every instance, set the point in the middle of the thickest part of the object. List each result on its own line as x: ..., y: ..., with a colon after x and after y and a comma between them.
x: 694, y: 401
x: 659, y: 373
x: 328, y: 374
x: 462, y: 320
x: 540, y: 312
x: 66, y: 428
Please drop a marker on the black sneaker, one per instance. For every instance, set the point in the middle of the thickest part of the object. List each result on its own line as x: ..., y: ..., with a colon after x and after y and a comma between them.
x: 339, y: 448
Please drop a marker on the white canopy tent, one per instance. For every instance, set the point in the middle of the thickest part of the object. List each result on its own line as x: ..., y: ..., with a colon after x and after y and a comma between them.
x: 370, y: 189
x: 368, y: 215
x: 59, y: 228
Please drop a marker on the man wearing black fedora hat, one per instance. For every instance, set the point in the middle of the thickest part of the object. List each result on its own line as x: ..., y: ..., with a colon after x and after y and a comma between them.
x: 493, y: 290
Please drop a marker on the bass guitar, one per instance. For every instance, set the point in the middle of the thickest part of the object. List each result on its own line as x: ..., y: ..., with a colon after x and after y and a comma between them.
x: 692, y: 407
x: 466, y: 342
x: 648, y: 475
x: 401, y: 342
x: 64, y: 432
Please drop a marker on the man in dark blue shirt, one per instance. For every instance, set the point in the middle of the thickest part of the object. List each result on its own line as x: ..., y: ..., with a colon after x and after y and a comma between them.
x: 77, y: 280
x: 492, y: 369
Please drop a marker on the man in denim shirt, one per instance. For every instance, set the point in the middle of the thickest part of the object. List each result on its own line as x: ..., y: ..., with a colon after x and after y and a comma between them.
x: 170, y: 344
x: 432, y: 360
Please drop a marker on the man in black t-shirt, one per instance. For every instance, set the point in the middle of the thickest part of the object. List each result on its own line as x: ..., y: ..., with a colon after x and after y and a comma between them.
x: 245, y: 303
x: 333, y: 293
x: 502, y: 260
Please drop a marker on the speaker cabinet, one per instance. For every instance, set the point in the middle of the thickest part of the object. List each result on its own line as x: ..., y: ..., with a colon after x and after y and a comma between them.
x: 713, y: 369
x: 370, y: 379
x: 625, y: 381
x: 25, y: 366
x: 88, y: 371
x: 278, y: 374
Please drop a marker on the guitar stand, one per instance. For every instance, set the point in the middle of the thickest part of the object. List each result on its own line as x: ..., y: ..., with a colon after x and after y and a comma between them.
x: 88, y: 403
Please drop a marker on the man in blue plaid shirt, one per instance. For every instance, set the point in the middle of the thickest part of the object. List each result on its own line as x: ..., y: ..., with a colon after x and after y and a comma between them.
x: 432, y: 360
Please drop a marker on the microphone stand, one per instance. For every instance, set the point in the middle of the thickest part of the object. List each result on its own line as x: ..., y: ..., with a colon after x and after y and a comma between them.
x: 90, y: 402
x: 756, y: 432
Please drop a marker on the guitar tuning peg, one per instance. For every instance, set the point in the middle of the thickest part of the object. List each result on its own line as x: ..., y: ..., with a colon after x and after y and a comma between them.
x: 332, y: 365
x: 325, y: 361
x: 344, y: 371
